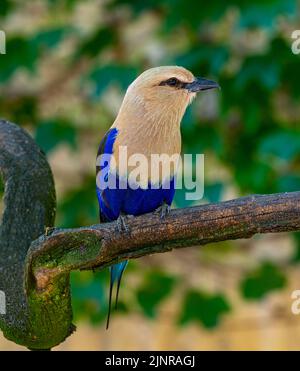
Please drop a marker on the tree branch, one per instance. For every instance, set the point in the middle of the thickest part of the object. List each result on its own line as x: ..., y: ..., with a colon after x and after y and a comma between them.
x: 101, y: 245
x: 43, y: 266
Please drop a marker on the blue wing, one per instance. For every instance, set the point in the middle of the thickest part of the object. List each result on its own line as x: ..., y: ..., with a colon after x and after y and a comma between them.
x: 109, y: 208
x: 113, y: 202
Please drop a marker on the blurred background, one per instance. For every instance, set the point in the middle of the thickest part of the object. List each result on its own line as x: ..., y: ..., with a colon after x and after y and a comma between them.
x: 66, y: 68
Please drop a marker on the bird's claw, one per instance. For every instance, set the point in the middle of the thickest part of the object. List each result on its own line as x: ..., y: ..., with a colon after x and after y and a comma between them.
x: 49, y: 230
x: 122, y: 224
x: 164, y: 210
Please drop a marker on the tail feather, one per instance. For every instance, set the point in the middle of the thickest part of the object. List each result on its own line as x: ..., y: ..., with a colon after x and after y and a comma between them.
x: 119, y: 281
x: 109, y: 302
x: 116, y: 272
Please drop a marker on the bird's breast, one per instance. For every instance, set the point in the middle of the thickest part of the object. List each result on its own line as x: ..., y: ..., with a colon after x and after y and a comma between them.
x: 147, y: 159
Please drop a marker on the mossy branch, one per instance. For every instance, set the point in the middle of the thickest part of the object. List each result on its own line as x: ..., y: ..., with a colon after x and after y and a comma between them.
x: 34, y: 271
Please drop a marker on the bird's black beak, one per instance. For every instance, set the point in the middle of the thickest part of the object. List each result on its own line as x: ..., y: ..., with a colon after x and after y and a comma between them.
x: 200, y: 84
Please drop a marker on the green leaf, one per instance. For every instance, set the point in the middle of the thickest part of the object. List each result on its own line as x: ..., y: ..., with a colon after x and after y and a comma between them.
x: 5, y: 7
x: 255, y: 176
x: 68, y: 4
x: 22, y: 110
x: 213, y: 191
x: 180, y: 199
x: 209, y: 59
x: 288, y: 183
x: 156, y: 287
x: 262, y: 281
x: 198, y: 138
x: 95, y: 43
x: 103, y: 77
x: 138, y: 6
x: 90, y: 296
x: 190, y: 15
x: 20, y: 53
x: 79, y: 207
x: 282, y: 144
x: 264, y: 13
x: 258, y: 69
x: 50, y: 38
x: 296, y: 256
x: 205, y: 308
x: 89, y: 299
x: 52, y: 133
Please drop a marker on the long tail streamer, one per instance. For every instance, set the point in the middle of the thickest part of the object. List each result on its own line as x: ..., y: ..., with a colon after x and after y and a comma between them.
x: 116, y: 272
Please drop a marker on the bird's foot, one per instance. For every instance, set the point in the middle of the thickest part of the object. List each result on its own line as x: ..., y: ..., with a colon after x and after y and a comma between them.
x: 164, y: 210
x: 49, y: 230
x: 122, y: 225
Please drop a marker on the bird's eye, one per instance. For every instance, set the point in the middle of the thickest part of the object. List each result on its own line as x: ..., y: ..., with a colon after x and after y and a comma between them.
x: 172, y: 82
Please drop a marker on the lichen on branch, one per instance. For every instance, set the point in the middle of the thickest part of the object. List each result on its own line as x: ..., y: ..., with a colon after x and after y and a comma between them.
x: 36, y: 259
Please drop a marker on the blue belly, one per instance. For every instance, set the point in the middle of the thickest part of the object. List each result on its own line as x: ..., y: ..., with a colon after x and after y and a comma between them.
x: 130, y: 201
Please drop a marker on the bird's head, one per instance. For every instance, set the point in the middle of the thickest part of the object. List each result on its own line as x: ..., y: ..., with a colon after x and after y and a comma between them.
x: 169, y: 85
x: 164, y: 92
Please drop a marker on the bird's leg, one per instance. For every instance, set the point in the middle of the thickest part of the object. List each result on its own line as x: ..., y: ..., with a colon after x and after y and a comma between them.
x: 164, y: 210
x: 122, y: 223
x: 49, y: 230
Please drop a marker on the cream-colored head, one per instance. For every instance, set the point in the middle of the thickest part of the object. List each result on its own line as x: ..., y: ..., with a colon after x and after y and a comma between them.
x: 162, y: 89
x: 149, y: 119
x: 161, y: 95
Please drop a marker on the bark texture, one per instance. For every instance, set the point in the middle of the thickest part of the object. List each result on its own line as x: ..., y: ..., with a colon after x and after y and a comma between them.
x: 36, y: 259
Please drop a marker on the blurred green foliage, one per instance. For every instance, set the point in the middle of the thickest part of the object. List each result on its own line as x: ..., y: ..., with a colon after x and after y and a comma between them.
x: 204, y: 308
x: 89, y: 296
x: 252, y: 130
x: 296, y: 257
x: 50, y: 134
x: 264, y: 280
x: 103, y: 76
x: 156, y: 287
x: 79, y: 205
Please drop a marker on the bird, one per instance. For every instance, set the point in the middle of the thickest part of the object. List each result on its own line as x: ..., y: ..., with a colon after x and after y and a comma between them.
x: 148, y: 122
